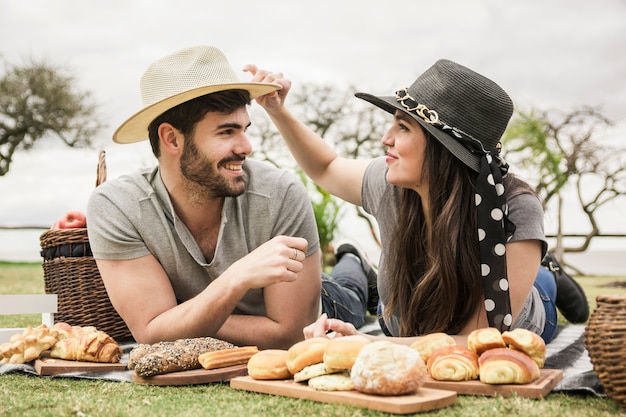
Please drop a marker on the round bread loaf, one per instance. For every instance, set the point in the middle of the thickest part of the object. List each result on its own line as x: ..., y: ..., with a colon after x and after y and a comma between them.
x: 341, y: 352
x: 481, y: 340
x: 387, y: 368
x: 306, y: 352
x: 269, y: 364
x: 528, y: 342
x: 507, y: 366
x: 427, y: 345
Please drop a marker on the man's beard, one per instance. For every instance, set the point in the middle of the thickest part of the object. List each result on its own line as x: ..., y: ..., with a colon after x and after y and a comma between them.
x: 206, y: 180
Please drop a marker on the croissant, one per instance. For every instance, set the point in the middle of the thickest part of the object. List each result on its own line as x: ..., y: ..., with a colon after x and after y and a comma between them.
x: 428, y: 344
x: 507, y: 366
x: 453, y: 363
x: 28, y: 345
x: 85, y: 344
x: 528, y: 342
x: 484, y: 339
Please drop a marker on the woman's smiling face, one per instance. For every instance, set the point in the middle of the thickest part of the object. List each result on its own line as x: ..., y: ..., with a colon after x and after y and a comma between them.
x: 406, y: 146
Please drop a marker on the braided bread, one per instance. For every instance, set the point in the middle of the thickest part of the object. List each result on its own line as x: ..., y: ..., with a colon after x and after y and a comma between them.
x: 28, y: 345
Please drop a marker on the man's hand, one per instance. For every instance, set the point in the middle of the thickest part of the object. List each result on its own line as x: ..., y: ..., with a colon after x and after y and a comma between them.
x: 277, y: 260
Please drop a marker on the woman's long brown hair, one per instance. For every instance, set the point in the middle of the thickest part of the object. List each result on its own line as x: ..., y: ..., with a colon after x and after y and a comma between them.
x: 434, y: 271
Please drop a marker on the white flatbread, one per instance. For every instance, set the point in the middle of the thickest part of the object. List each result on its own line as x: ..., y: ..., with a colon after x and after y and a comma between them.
x: 312, y: 371
x: 332, y: 382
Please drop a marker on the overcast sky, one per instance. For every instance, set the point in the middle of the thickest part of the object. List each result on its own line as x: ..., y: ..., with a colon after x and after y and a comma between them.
x: 545, y: 54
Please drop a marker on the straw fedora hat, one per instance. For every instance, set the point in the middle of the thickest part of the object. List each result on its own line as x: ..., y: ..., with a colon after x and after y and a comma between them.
x: 461, y: 99
x: 180, y: 77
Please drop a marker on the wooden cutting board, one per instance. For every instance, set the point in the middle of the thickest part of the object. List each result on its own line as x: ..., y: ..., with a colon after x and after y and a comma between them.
x: 51, y: 366
x: 194, y: 376
x: 537, y: 389
x: 425, y: 399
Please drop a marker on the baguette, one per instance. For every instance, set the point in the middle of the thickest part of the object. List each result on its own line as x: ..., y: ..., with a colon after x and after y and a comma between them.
x: 180, y: 355
x: 228, y: 357
x: 142, y: 350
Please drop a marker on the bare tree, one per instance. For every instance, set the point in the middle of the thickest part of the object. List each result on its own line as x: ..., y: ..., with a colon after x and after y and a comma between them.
x: 38, y: 101
x: 564, y: 150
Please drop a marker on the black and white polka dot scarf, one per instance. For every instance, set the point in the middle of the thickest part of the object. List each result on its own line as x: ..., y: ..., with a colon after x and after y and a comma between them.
x: 494, y: 227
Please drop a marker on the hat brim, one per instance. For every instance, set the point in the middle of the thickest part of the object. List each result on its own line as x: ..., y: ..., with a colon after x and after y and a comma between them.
x: 390, y: 104
x: 135, y: 128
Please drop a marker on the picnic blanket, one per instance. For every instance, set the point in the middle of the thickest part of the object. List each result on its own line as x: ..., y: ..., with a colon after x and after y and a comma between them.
x: 566, y: 352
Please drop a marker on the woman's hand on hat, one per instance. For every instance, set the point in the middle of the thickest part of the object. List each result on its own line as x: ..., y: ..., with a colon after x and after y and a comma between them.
x: 275, y: 99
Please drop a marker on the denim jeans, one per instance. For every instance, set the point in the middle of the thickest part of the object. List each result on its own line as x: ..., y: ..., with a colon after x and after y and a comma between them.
x: 546, y: 285
x: 344, y: 292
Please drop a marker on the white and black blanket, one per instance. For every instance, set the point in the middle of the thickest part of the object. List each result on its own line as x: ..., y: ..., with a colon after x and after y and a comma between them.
x: 567, y: 352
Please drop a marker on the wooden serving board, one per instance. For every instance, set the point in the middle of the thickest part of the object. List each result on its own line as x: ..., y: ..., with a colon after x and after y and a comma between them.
x: 425, y: 399
x: 194, y: 376
x: 537, y: 389
x: 51, y: 366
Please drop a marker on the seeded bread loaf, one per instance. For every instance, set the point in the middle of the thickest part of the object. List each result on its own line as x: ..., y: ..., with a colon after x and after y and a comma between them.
x: 166, y: 357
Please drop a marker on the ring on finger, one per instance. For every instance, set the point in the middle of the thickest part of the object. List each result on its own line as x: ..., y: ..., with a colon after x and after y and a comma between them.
x: 295, y: 254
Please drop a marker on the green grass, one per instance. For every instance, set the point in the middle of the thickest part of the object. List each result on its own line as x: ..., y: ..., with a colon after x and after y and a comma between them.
x: 28, y: 395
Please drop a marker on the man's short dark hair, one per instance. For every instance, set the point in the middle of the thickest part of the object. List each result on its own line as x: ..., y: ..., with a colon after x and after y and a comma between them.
x: 185, y: 116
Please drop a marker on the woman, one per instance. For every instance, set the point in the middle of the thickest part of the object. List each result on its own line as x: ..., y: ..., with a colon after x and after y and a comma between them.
x: 462, y: 238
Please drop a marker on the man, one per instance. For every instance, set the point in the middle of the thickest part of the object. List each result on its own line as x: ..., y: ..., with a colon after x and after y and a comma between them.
x: 209, y: 243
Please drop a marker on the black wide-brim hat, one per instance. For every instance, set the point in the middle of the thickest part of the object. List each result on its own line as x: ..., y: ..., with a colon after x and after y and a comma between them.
x: 461, y: 99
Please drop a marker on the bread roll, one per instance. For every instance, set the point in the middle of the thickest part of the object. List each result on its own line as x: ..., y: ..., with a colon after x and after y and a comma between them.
x: 484, y: 339
x: 387, y: 368
x: 507, y: 366
x: 269, y: 364
x: 341, y: 352
x: 306, y: 352
x: 453, y: 363
x: 528, y: 342
x: 426, y: 345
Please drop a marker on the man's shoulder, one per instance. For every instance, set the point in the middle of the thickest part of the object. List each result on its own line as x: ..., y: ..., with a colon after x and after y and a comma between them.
x: 265, y: 177
x: 137, y: 183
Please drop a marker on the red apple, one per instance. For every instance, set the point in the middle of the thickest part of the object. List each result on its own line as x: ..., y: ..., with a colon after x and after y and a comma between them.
x: 72, y: 220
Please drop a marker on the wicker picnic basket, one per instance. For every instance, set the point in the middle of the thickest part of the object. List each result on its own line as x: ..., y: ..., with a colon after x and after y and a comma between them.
x: 605, y: 340
x: 71, y: 273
